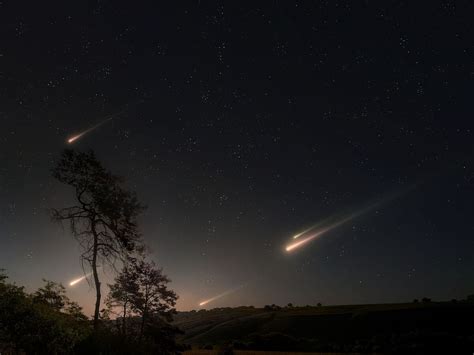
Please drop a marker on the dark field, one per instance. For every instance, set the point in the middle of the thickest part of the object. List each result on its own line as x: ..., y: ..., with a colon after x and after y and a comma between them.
x: 250, y: 352
x: 408, y: 328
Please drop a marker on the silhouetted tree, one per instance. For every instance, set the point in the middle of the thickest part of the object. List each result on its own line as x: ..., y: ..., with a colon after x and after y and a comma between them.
x: 140, y: 292
x: 153, y: 301
x: 52, y: 294
x: 122, y: 294
x: 426, y: 300
x: 319, y: 304
x: 103, y: 218
x: 275, y: 307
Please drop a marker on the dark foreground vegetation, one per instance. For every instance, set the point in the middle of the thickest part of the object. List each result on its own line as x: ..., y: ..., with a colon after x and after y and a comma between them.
x: 412, y: 328
x: 47, y: 322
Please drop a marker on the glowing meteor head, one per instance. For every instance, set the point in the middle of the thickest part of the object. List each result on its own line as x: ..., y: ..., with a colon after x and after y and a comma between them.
x: 76, y: 137
x: 72, y: 139
x: 203, y: 303
x: 296, y: 236
x: 301, y: 242
x: 76, y: 281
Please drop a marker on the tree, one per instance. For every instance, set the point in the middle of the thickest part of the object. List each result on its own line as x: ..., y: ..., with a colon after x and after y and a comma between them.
x: 153, y: 301
x: 141, y: 291
x: 53, y: 294
x: 271, y: 307
x: 104, y: 216
x: 122, y: 294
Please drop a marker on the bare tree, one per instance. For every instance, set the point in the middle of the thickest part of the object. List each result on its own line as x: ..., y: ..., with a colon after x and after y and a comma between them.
x: 104, y: 217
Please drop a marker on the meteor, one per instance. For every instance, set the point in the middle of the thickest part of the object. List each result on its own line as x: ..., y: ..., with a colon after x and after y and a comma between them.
x: 76, y: 281
x: 203, y: 303
x: 112, y: 116
x: 77, y: 136
x: 296, y: 236
x: 302, y: 241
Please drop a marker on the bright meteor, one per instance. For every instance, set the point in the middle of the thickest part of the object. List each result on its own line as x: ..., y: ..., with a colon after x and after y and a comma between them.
x: 318, y: 233
x: 322, y: 231
x: 76, y: 281
x: 296, y: 236
x: 302, y: 240
x: 203, y: 303
x: 77, y: 136
x: 111, y: 117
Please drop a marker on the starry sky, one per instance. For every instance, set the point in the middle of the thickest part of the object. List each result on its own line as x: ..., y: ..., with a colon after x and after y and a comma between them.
x: 239, y: 125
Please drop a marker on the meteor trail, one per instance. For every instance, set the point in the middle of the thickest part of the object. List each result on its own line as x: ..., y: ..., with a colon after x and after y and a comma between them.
x: 76, y: 281
x: 296, y: 236
x: 203, y: 303
x: 77, y: 136
x: 319, y: 232
x: 303, y: 241
x: 112, y: 116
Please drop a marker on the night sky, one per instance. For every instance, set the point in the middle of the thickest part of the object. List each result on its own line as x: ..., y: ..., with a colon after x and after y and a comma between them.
x: 240, y: 126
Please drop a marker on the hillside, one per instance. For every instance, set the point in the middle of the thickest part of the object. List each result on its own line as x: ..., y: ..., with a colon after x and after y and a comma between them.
x: 353, y: 327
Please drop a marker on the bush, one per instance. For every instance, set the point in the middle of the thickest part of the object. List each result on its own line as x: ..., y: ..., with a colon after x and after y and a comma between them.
x: 36, y: 327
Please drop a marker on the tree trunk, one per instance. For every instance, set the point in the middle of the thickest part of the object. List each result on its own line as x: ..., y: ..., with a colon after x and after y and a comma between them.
x: 142, y: 326
x: 144, y: 315
x: 124, y: 333
x: 96, y: 282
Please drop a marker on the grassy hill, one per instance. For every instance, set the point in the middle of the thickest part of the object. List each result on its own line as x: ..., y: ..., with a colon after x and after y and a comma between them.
x: 440, y: 325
